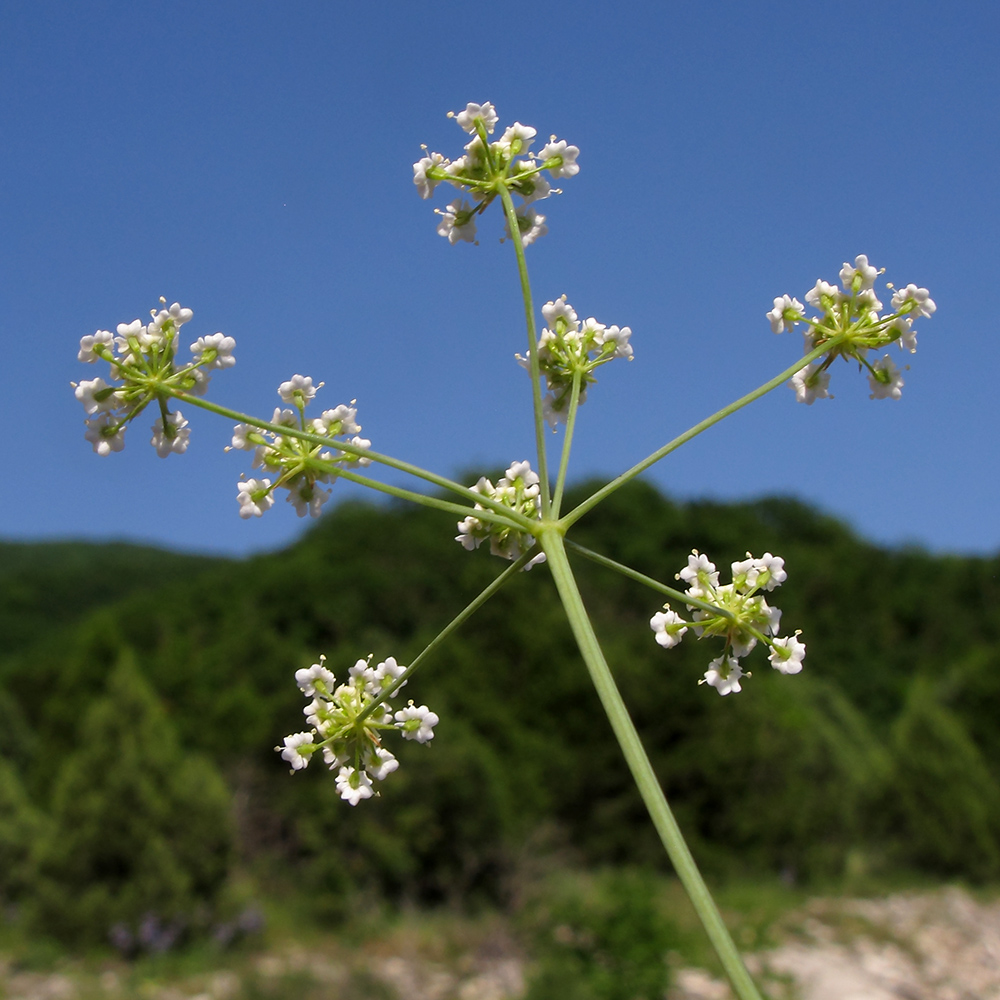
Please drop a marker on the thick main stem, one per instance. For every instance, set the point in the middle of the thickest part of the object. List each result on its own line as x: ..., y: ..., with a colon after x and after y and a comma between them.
x: 642, y: 771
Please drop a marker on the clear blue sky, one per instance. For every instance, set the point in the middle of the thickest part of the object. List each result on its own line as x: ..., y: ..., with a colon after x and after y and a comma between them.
x: 254, y: 162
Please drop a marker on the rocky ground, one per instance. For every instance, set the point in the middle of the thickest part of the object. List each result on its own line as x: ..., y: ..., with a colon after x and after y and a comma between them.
x: 934, y: 946
x: 930, y: 946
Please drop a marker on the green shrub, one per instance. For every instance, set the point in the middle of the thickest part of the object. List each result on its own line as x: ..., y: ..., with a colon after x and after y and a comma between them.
x: 600, y: 936
x: 21, y: 828
x: 140, y: 841
x: 948, y: 799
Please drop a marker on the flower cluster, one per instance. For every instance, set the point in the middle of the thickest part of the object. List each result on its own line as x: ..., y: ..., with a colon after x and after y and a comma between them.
x: 487, y: 167
x: 569, y: 350
x: 736, y: 611
x: 143, y: 364
x: 298, y: 464
x: 518, y: 490
x: 346, y: 720
x: 851, y: 322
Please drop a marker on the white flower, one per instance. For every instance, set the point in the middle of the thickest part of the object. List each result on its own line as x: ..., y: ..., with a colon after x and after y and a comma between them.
x: 416, y: 723
x: 811, y: 384
x: 772, y: 568
x: 353, y: 785
x: 241, y: 440
x: 425, y: 184
x: 767, y: 572
x: 907, y: 335
x: 518, y: 490
x: 320, y: 713
x: 364, y: 444
x: 534, y: 188
x: 457, y: 222
x: 669, y: 628
x: 467, y: 536
x: 923, y: 303
x: 176, y: 440
x: 387, y: 673
x: 86, y: 391
x: 307, y: 499
x: 862, y: 271
x: 380, y: 763
x: 221, y: 344
x: 698, y: 572
x: 534, y: 561
x: 560, y: 309
x: 741, y: 642
x: 294, y: 750
x: 773, y: 616
x: 618, y: 336
x: 98, y: 435
x: 555, y: 411
x: 254, y: 496
x: 887, y: 383
x: 724, y: 675
x: 299, y: 389
x: 102, y: 338
x: 306, y: 678
x: 286, y: 417
x: 467, y: 118
x: 455, y: 169
x: 344, y: 415
x: 333, y: 758
x: 127, y: 331
x: 519, y: 135
x: 747, y: 569
x: 523, y: 471
x: 821, y: 291
x: 363, y: 676
x: 201, y: 380
x: 475, y: 154
x: 566, y: 155
x: 867, y: 299
x: 739, y: 614
x: 150, y: 336
x: 176, y: 314
x: 531, y: 225
x: 787, y: 654
x: 130, y: 329
x: 786, y: 310
x: 348, y: 743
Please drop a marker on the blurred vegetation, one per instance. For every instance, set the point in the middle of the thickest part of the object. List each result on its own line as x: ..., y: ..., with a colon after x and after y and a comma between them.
x: 142, y: 693
x: 599, y: 936
x: 139, y: 840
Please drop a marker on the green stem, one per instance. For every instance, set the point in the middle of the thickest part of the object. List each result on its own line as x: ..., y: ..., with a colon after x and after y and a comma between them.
x: 574, y: 403
x: 466, y: 613
x: 436, y: 503
x: 577, y: 512
x: 642, y: 771
x: 529, y: 315
x: 394, y: 463
x: 648, y: 581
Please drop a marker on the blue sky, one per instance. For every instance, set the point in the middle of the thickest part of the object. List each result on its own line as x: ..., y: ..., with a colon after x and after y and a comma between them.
x: 254, y: 162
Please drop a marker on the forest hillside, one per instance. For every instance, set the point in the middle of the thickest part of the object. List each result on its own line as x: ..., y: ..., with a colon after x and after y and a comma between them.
x: 142, y: 693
